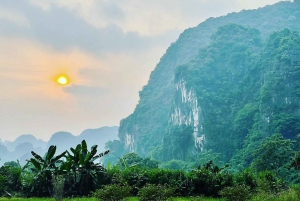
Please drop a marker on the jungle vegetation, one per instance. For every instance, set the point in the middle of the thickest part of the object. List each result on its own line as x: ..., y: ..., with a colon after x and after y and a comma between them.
x: 75, y: 173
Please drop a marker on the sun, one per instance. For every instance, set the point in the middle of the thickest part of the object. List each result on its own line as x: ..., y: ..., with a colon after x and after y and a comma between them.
x: 62, y: 80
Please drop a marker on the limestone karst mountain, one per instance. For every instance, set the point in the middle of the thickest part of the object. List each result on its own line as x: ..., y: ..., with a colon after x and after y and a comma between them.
x: 211, y: 89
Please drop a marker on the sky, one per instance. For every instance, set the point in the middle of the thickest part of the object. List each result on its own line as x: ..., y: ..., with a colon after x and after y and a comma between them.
x: 106, y: 48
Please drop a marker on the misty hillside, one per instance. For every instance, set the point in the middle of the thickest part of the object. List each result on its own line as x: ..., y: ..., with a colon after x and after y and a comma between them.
x: 22, y: 139
x: 20, y: 148
x: 227, y: 83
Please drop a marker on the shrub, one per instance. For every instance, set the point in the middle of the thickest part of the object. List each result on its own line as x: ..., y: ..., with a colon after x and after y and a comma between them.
x: 112, y: 192
x: 269, y: 183
x: 3, y: 182
x: 208, y: 183
x: 296, y: 189
x: 155, y: 193
x: 247, y: 178
x: 236, y: 193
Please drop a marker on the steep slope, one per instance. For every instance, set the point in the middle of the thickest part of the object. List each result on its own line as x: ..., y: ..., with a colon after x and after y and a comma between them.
x: 210, y: 90
x: 236, y: 85
x: 279, y: 95
x: 144, y: 129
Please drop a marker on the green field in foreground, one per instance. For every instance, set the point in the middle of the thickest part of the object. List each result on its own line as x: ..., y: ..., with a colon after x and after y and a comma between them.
x: 95, y: 199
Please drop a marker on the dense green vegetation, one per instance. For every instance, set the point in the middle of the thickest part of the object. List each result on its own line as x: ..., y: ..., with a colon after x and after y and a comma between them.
x: 74, y: 174
x: 120, y: 182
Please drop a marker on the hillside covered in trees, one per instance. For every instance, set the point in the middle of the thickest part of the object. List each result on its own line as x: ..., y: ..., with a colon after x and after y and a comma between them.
x: 220, y: 90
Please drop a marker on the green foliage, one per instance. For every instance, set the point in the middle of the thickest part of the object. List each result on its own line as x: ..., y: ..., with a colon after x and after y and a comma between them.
x: 3, y: 182
x: 268, y: 183
x: 177, y: 143
x: 133, y: 159
x: 112, y: 192
x: 296, y: 159
x: 152, y: 192
x: 83, y: 174
x: 210, y: 179
x: 246, y: 178
x: 273, y: 153
x: 174, y: 165
x: 116, y: 151
x: 43, y: 168
x: 236, y: 193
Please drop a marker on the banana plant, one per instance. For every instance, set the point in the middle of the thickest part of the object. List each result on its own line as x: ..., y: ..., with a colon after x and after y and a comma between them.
x: 81, y: 167
x: 48, y: 162
x: 43, y: 168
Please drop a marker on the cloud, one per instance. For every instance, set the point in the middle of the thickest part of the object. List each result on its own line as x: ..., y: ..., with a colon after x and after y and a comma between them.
x: 155, y: 17
x: 63, y: 29
x: 112, y: 11
x: 13, y: 16
x: 85, y: 91
x: 113, y: 26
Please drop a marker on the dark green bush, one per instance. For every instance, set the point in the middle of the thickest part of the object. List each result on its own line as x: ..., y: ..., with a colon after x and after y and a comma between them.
x: 155, y: 192
x: 269, y: 183
x: 175, y: 178
x: 236, y: 193
x: 209, y: 181
x: 3, y: 185
x: 112, y: 192
x: 247, y: 178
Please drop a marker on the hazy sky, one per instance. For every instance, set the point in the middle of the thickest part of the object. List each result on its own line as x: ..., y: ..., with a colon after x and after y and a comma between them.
x: 106, y: 47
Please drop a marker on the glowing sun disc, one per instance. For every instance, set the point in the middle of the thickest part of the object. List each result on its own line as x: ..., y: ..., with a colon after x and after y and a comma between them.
x: 62, y: 80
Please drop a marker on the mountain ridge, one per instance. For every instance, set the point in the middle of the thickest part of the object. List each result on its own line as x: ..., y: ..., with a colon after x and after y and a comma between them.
x: 21, y: 147
x: 143, y: 131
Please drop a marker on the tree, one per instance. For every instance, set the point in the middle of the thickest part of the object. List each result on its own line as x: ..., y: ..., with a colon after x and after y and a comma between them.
x: 295, y: 163
x: 133, y: 159
x: 273, y: 153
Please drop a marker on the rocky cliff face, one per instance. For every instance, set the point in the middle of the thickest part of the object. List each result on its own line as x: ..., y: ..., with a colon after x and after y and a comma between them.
x: 186, y: 111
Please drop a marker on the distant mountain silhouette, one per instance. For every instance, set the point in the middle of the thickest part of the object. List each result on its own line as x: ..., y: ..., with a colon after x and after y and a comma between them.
x: 20, y: 148
x: 99, y: 136
x: 25, y: 138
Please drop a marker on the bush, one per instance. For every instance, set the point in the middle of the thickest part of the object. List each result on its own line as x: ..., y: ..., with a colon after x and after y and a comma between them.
x: 247, y: 178
x: 155, y: 193
x: 112, y: 192
x: 208, y: 183
x: 269, y: 183
x: 3, y: 182
x: 236, y: 193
